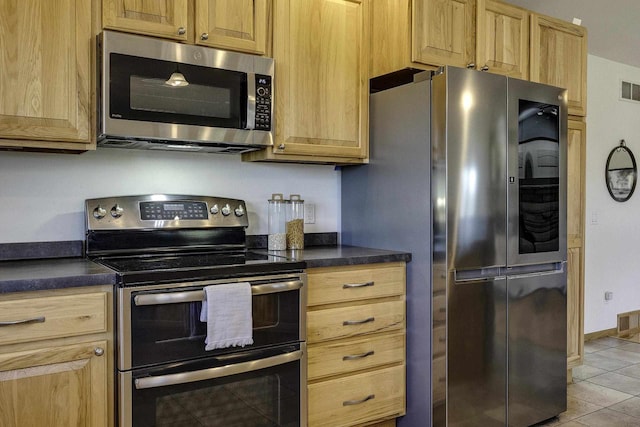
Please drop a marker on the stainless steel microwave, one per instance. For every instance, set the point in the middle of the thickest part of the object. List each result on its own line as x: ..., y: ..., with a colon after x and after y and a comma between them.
x: 156, y: 94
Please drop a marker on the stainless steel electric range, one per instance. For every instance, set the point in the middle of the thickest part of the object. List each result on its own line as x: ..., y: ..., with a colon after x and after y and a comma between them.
x: 165, y: 249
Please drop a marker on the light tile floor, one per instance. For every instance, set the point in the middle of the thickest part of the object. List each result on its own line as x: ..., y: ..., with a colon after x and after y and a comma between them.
x: 606, y: 388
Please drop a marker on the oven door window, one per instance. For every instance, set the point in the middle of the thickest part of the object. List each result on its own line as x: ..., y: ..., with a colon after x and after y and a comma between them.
x: 169, y: 332
x: 141, y: 89
x: 262, y: 398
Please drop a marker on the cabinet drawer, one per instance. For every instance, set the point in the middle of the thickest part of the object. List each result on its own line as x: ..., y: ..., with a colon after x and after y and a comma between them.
x: 354, y: 283
x: 346, y: 322
x: 357, y: 398
x: 52, y: 317
x: 341, y: 357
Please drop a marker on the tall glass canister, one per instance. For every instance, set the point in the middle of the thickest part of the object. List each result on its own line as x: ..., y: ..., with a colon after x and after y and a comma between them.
x: 277, y: 238
x: 295, y: 222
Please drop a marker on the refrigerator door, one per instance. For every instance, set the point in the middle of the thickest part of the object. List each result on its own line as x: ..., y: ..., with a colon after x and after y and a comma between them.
x: 537, y: 165
x: 469, y: 132
x: 477, y: 351
x: 537, y: 331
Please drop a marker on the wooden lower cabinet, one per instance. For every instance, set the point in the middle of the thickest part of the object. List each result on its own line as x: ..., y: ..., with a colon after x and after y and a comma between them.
x: 356, y: 345
x: 55, y: 367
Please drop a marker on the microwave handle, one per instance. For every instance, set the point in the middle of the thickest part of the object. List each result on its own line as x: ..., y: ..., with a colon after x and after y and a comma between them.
x: 217, y: 372
x: 194, y: 296
x: 251, y: 100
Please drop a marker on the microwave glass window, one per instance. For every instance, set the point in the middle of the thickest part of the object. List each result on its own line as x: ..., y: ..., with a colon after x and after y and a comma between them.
x: 213, y: 97
x: 538, y: 177
x: 150, y: 94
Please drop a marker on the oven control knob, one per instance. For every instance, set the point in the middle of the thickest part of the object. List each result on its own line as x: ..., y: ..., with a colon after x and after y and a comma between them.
x: 214, y: 209
x: 239, y: 211
x: 226, y: 210
x: 116, y: 211
x: 99, y: 212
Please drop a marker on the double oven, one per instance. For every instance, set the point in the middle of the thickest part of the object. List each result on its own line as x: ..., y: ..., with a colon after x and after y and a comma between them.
x: 166, y: 249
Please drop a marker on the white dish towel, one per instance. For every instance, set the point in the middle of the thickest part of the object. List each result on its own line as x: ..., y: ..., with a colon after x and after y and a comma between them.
x: 227, y: 311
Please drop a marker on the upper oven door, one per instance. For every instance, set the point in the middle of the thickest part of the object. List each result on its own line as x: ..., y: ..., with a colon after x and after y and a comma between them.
x: 152, y: 89
x: 161, y: 325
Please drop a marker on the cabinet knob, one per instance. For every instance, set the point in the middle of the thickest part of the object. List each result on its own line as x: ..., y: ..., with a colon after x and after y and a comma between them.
x: 182, y: 31
x: 281, y: 147
x: 99, y: 351
x: 204, y: 36
x: 471, y: 65
x: 484, y: 68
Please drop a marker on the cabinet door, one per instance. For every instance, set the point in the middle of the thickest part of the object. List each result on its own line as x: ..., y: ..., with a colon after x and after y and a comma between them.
x: 46, y: 73
x: 559, y: 58
x: 575, y: 301
x: 163, y: 18
x: 576, y: 150
x: 444, y: 32
x: 55, y: 387
x: 321, y: 50
x: 390, y: 36
x: 502, y: 39
x: 233, y: 24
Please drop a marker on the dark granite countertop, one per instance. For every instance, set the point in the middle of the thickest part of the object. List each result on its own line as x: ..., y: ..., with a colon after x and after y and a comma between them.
x: 54, y: 272
x: 334, y: 256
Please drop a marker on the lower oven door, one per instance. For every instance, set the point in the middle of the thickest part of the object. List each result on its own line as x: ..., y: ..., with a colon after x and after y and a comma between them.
x: 254, y: 388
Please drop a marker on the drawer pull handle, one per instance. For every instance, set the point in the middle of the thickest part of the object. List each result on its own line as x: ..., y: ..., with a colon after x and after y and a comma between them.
x: 23, y: 322
x: 357, y: 285
x: 358, y: 322
x: 358, y: 356
x: 357, y: 402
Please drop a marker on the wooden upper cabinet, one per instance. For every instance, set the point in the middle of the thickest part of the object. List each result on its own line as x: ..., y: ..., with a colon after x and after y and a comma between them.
x: 45, y: 96
x: 321, y: 54
x: 162, y: 18
x: 444, y: 32
x: 576, y: 152
x: 502, y: 39
x: 559, y: 58
x: 233, y: 24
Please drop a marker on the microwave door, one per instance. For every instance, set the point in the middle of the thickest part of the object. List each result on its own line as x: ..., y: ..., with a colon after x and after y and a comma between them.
x: 537, y: 173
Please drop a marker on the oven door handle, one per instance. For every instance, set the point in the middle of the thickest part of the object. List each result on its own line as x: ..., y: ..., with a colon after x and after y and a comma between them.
x: 194, y: 296
x: 217, y: 372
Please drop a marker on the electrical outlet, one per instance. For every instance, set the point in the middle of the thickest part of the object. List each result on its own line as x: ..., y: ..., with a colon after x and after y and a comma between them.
x: 608, y: 296
x: 309, y: 213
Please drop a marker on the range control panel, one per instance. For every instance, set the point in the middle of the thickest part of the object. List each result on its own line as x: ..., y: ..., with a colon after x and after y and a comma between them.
x: 158, y: 211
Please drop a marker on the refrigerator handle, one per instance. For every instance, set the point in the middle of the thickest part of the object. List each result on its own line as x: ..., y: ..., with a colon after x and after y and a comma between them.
x: 537, y: 270
x: 486, y: 274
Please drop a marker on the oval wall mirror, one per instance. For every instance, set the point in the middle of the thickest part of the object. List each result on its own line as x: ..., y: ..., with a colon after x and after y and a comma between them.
x: 621, y: 173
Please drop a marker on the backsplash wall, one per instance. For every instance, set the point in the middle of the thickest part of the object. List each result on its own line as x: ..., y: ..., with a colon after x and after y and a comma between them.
x: 43, y: 195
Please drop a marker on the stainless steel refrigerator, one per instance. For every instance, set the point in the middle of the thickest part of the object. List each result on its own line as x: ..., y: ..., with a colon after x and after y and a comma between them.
x: 468, y: 172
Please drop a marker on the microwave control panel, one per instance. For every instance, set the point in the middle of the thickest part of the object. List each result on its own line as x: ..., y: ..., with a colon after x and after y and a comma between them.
x: 263, y: 102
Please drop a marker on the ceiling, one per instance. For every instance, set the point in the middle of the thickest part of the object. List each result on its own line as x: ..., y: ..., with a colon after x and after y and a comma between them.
x: 613, y: 26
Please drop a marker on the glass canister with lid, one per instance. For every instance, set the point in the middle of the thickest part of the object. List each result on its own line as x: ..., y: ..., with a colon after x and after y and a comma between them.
x: 295, y: 222
x: 277, y: 238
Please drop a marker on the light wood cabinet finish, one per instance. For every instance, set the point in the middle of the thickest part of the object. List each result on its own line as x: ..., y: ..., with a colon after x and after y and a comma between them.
x: 502, y: 39
x: 55, y: 387
x: 59, y: 372
x: 240, y: 25
x: 61, y: 316
x: 559, y: 58
x: 161, y: 18
x: 356, y: 372
x: 328, y: 285
x: 575, y: 311
x: 321, y: 53
x: 444, y: 32
x: 576, y: 166
x: 576, y: 156
x: 46, y: 79
x: 358, y: 398
x: 233, y: 24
